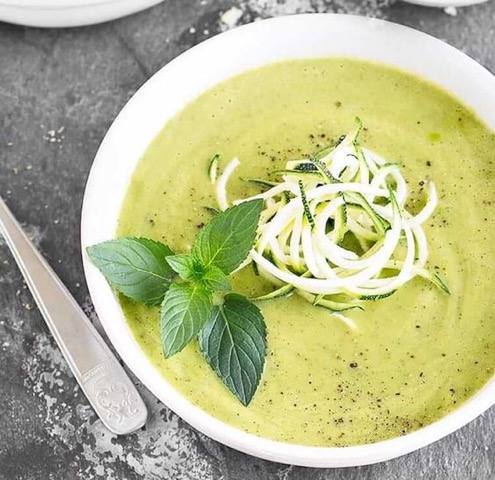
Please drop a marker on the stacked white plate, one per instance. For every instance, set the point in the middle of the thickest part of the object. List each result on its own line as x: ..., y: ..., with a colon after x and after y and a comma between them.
x: 68, y: 13
x: 74, y: 13
x: 445, y: 3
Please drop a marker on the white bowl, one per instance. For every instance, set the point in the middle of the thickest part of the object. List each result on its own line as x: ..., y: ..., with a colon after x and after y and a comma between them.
x: 445, y: 3
x: 68, y: 13
x: 168, y: 91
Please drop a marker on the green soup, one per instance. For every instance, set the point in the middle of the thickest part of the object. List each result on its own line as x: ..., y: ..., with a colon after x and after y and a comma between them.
x: 416, y: 355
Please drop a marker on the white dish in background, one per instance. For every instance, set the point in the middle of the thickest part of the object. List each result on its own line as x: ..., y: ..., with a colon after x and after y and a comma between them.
x: 68, y: 13
x: 445, y: 3
x: 166, y: 93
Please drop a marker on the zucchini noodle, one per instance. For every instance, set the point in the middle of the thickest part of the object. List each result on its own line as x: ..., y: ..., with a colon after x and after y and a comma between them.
x: 335, y: 228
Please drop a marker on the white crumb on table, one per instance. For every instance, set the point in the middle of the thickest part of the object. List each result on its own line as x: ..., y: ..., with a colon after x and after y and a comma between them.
x: 230, y: 18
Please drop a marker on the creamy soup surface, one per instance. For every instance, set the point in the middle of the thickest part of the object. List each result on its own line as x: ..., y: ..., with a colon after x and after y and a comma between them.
x: 416, y: 355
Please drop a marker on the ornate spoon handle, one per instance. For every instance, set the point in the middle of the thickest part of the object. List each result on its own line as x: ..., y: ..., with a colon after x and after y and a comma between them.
x: 101, y: 377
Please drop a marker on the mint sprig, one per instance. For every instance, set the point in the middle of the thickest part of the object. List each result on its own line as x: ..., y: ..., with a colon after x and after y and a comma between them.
x: 185, y: 266
x: 184, y: 311
x: 136, y: 267
x: 188, y: 267
x: 226, y: 240
x: 234, y: 344
x: 214, y: 279
x: 232, y: 333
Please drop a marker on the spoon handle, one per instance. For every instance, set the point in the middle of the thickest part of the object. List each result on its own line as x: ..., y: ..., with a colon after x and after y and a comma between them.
x: 101, y: 377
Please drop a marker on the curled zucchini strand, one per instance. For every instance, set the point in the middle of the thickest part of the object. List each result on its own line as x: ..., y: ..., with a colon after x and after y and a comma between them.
x: 335, y: 229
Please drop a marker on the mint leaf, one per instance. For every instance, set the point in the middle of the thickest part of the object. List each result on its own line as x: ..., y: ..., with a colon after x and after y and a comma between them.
x: 136, y: 267
x: 227, y: 239
x: 233, y: 342
x: 185, y: 309
x: 185, y: 266
x: 214, y: 279
x: 191, y: 269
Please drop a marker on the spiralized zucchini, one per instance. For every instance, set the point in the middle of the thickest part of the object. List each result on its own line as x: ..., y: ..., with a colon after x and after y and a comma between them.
x: 335, y: 228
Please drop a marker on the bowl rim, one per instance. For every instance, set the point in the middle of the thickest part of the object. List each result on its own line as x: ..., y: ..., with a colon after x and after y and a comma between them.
x: 445, y: 3
x: 59, y: 4
x: 107, y: 306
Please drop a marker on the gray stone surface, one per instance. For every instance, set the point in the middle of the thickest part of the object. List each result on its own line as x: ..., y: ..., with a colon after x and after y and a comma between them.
x: 59, y: 92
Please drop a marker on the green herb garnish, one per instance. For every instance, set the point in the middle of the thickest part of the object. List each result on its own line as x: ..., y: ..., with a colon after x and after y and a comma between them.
x: 184, y: 311
x: 233, y: 343
x: 136, y: 267
x: 230, y: 328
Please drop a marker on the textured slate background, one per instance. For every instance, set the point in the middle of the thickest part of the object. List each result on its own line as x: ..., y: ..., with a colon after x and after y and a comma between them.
x: 59, y: 91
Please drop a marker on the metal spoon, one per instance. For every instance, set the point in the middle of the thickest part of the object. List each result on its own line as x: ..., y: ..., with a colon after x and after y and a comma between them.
x: 101, y: 377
